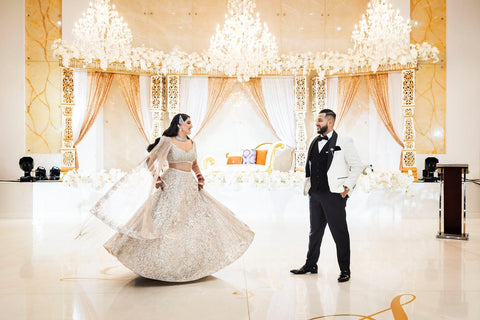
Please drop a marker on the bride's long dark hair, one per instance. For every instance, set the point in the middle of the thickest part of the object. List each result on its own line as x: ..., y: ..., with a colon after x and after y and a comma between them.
x: 171, y: 131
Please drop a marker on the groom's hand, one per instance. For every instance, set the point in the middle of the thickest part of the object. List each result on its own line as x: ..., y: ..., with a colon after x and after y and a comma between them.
x: 345, y: 192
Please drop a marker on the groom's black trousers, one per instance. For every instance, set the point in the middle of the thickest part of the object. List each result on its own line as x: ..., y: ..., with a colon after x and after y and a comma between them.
x: 328, y: 208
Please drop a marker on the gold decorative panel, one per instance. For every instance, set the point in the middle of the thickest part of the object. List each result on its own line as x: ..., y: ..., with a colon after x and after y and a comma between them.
x: 409, y: 134
x: 430, y: 113
x: 409, y: 160
x: 68, y: 96
x: 43, y: 118
x: 319, y: 93
x: 173, y: 95
x: 68, y: 100
x: 68, y: 158
x: 408, y: 88
x: 158, y: 103
x: 301, y: 94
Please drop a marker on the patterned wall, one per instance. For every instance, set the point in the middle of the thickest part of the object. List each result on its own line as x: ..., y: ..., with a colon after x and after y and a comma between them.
x: 43, y: 118
x: 430, y: 111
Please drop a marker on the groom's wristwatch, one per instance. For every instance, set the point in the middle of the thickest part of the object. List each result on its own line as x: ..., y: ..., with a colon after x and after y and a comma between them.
x: 345, y: 188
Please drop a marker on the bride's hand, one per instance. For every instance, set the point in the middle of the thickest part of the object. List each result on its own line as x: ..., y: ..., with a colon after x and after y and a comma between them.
x: 201, y: 181
x: 159, y: 184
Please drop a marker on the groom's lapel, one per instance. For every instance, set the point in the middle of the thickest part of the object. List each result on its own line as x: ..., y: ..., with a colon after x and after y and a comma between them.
x: 331, y: 146
x: 311, y: 147
x: 307, y: 166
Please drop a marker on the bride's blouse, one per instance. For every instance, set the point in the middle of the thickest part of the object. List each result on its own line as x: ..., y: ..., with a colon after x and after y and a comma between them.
x: 178, y: 155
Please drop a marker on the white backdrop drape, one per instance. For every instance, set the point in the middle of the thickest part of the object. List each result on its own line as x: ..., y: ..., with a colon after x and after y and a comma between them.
x: 80, y: 81
x: 384, y: 151
x: 193, y: 99
x: 145, y: 104
x: 332, y: 88
x: 279, y: 96
x: 91, y: 146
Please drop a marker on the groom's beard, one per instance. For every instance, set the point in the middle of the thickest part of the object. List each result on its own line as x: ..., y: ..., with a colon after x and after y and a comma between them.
x: 322, y: 130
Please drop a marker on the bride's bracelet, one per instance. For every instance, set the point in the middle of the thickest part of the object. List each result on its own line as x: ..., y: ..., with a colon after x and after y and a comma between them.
x: 200, y: 179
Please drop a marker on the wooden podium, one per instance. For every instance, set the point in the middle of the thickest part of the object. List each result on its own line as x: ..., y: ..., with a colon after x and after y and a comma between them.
x: 453, y: 207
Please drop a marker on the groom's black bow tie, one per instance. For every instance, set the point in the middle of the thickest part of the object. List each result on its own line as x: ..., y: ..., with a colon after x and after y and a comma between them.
x: 320, y: 138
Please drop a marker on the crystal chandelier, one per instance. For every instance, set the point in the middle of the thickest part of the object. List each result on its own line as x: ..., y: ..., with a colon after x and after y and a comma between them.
x: 382, y: 33
x: 243, y: 48
x: 102, y: 35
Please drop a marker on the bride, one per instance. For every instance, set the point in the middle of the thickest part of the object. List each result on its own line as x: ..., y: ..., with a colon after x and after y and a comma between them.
x: 168, y: 227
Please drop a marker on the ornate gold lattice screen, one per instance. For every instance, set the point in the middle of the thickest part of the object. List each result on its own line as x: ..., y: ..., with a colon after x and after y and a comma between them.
x: 408, y: 105
x: 319, y: 96
x: 173, y: 96
x: 300, y: 132
x: 157, y: 106
x: 68, y: 103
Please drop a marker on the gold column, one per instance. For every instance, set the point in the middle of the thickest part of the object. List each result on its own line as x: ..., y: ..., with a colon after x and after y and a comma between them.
x: 408, y: 105
x: 157, y: 105
x: 68, y: 102
x: 173, y: 96
x: 319, y: 94
x: 300, y: 130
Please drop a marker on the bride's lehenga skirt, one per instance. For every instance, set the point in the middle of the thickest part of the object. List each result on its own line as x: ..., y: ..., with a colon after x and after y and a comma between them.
x: 198, y: 235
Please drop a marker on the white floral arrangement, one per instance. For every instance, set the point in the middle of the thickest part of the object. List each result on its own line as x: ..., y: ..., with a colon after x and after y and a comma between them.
x: 393, y: 180
x: 260, y: 179
x: 97, y: 181
x: 179, y: 62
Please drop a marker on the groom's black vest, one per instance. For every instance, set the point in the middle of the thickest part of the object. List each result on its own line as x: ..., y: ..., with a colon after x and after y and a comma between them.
x: 319, y: 168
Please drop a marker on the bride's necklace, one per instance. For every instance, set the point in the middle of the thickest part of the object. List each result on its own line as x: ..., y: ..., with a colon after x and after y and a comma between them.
x: 180, y: 138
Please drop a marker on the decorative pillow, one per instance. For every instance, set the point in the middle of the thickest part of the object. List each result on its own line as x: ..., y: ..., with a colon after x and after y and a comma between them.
x: 249, y: 156
x: 234, y: 160
x: 261, y: 157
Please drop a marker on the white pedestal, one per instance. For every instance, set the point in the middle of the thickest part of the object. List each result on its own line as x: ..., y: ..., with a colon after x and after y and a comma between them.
x: 16, y: 200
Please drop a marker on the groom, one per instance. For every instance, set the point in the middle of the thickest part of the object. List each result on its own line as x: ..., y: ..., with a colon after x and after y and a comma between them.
x: 332, y: 169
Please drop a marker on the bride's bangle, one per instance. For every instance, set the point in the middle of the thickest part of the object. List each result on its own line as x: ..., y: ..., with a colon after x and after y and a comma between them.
x: 200, y: 179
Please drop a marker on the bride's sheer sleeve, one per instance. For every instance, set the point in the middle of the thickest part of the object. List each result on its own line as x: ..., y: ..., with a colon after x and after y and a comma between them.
x: 196, y: 169
x: 126, y: 207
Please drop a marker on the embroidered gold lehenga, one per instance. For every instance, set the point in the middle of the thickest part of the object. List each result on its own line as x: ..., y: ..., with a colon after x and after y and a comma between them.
x: 176, y: 234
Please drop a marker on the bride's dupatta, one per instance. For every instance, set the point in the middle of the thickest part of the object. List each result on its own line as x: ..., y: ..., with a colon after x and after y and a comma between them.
x: 127, y: 206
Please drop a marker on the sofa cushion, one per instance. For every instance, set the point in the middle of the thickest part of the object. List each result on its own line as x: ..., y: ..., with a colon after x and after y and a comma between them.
x: 234, y: 160
x: 261, y: 157
x: 249, y: 156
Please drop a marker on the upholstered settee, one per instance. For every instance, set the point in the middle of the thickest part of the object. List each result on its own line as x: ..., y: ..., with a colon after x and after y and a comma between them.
x: 260, y: 158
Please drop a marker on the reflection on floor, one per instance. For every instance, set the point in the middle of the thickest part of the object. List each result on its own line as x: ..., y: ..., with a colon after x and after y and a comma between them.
x: 46, y: 274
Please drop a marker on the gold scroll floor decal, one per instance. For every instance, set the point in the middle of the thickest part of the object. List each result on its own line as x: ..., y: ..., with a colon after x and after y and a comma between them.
x: 396, y: 306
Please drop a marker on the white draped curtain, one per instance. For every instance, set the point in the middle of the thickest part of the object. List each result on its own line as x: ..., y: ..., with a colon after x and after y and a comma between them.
x: 384, y: 151
x: 279, y: 96
x: 193, y: 99
x: 90, y: 149
x: 145, y: 104
x: 332, y: 88
x: 80, y: 81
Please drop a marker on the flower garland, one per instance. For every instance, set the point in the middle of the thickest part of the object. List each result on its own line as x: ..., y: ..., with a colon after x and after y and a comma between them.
x: 148, y: 60
x: 260, y: 179
x: 98, y: 180
x: 393, y: 180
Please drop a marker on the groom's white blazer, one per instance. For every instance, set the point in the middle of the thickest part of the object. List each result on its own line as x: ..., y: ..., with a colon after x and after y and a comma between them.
x: 344, y: 164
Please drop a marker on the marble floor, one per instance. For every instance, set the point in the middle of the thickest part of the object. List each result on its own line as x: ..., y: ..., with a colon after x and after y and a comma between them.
x: 399, y: 269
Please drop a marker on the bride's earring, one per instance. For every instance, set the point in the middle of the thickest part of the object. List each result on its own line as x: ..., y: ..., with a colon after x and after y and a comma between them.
x: 180, y: 129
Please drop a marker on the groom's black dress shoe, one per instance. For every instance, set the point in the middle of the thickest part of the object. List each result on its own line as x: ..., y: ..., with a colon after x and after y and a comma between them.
x: 305, y: 269
x: 344, y: 276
